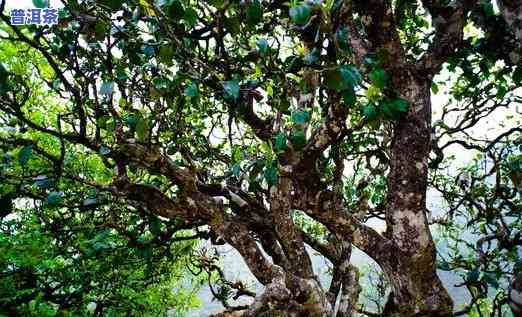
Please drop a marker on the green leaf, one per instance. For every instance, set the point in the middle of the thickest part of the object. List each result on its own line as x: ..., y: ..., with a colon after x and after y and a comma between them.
x: 100, y: 246
x: 54, y: 198
x: 350, y: 75
x: 379, y: 77
x: 262, y: 46
x: 236, y: 170
x: 267, y: 150
x: 41, y: 3
x: 294, y: 64
x: 104, y: 150
x: 187, y: 42
x: 312, y: 57
x: 100, y: 29
x: 148, y: 50
x: 271, y: 175
x: 191, y: 90
x: 25, y: 154
x: 121, y: 74
x: 155, y: 227
x: 142, y: 129
x: 343, y: 77
x: 434, y: 88
x: 300, y: 14
x: 190, y: 16
x: 166, y: 53
x: 443, y: 265
x: 342, y: 38
x: 106, y: 88
x: 280, y: 142
x: 392, y: 109
x: 131, y: 120
x: 254, y: 12
x: 160, y: 82
x: 231, y: 89
x: 369, y: 111
x: 298, y: 139
x: 491, y: 279
x: 473, y: 276
x: 399, y: 105
x: 237, y: 153
x: 388, y: 111
x: 300, y: 117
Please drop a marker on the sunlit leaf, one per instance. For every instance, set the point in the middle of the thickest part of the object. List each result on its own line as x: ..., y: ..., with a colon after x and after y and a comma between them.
x: 25, y: 154
x: 231, y: 89
x: 300, y: 117
x: 54, y: 198
x: 300, y: 14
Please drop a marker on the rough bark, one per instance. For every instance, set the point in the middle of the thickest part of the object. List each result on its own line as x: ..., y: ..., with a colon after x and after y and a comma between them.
x: 416, y: 288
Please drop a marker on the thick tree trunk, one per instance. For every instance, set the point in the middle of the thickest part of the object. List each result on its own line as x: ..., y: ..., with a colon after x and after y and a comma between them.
x: 416, y: 288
